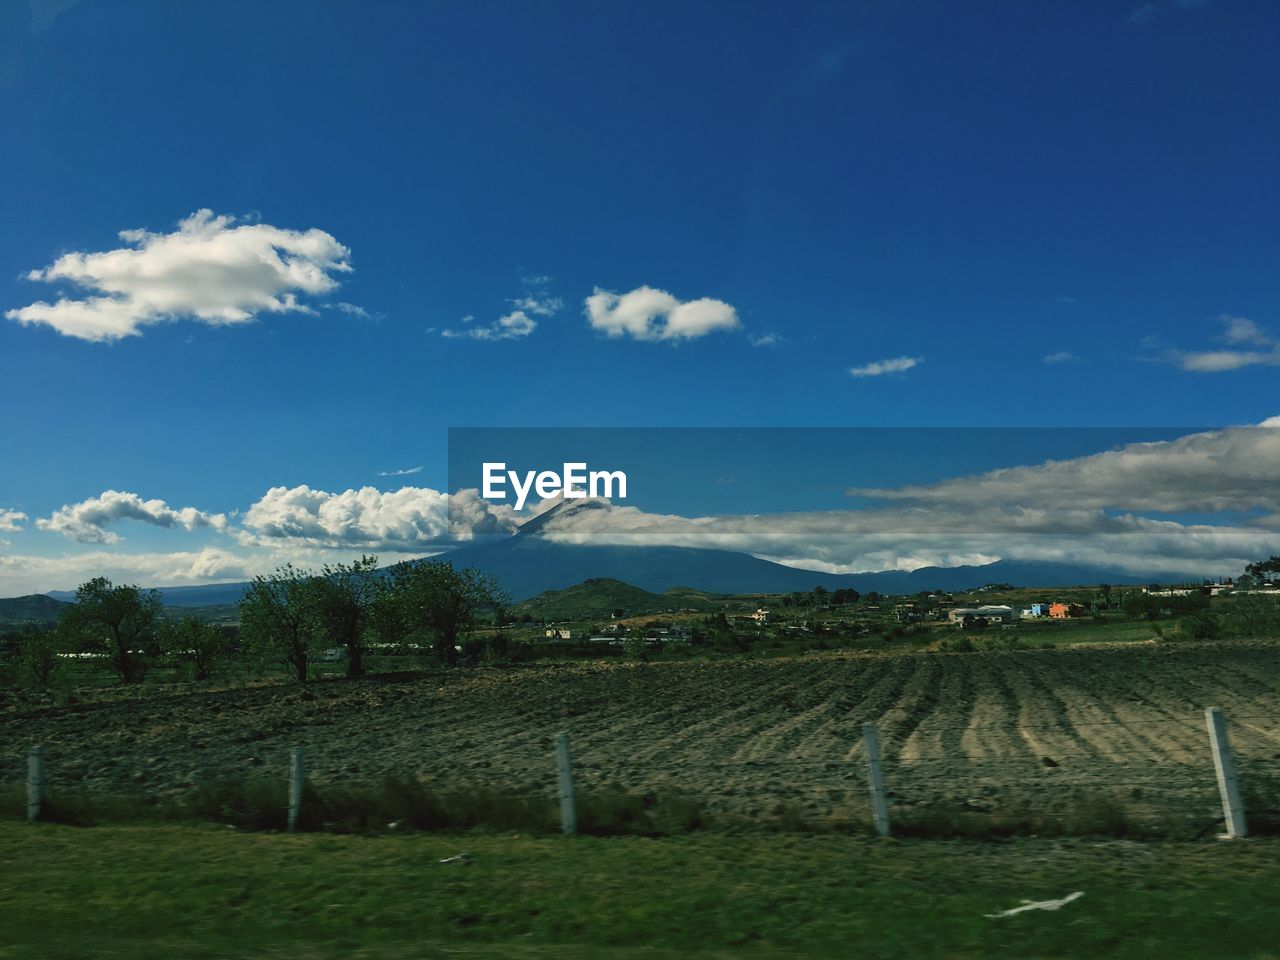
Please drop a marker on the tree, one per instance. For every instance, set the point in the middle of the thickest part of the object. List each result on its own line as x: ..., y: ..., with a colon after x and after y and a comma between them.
x: 1264, y: 569
x: 434, y: 598
x: 191, y: 639
x: 278, y: 617
x: 344, y: 595
x: 122, y: 620
x: 1105, y: 590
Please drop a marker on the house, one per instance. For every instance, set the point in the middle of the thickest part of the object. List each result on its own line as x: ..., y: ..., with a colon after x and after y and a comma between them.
x: 559, y: 633
x: 1066, y: 611
x: 762, y: 616
x: 1036, y: 610
x: 999, y: 613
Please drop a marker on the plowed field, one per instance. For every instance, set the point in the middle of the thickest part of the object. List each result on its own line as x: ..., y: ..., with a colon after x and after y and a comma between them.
x: 975, y: 730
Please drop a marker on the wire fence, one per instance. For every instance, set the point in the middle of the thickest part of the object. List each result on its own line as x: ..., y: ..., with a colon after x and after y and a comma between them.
x: 1183, y: 776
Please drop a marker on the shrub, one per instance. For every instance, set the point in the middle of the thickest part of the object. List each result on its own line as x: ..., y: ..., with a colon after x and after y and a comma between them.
x: 38, y: 664
x: 1204, y: 627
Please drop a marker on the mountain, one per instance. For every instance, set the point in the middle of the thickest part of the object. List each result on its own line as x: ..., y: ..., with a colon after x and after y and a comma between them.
x: 528, y: 563
x: 36, y: 608
x: 527, y: 566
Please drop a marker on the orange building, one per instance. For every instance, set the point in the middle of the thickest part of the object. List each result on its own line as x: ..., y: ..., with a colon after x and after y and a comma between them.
x: 1064, y: 611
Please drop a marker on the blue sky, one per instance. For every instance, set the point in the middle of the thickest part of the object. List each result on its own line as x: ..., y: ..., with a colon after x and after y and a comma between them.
x: 938, y: 195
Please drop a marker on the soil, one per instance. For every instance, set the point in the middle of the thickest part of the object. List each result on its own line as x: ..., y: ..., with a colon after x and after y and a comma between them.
x: 977, y: 731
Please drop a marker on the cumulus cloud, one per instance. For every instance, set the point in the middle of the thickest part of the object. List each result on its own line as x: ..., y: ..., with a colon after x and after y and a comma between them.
x: 408, y: 519
x: 1247, y: 345
x: 11, y: 520
x: 879, y: 368
x: 209, y: 269
x: 88, y: 520
x: 650, y: 314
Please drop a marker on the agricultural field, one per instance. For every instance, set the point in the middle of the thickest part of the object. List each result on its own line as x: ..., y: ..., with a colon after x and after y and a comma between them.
x: 1098, y: 737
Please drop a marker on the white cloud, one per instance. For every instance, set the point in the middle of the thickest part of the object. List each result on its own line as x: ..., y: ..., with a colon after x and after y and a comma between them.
x: 1232, y: 469
x: 766, y: 340
x: 869, y: 540
x: 517, y: 324
x: 1238, y: 330
x: 209, y: 270
x: 1062, y: 356
x: 87, y: 521
x: 1239, y: 334
x: 23, y: 574
x: 1220, y: 361
x: 1060, y: 511
x: 407, y: 471
x: 408, y: 519
x: 650, y: 314
x: 538, y: 304
x: 513, y: 326
x: 11, y: 520
x: 357, y: 311
x: 880, y: 367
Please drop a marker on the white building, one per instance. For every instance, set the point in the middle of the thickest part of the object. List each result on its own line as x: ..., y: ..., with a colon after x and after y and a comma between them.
x: 992, y: 612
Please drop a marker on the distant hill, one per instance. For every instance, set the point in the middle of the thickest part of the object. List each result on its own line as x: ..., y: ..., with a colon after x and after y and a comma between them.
x: 36, y: 608
x: 599, y: 597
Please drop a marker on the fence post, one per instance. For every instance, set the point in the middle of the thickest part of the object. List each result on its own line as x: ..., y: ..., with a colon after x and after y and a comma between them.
x: 875, y: 779
x: 564, y: 768
x: 297, y: 777
x: 35, y: 782
x: 1224, y: 765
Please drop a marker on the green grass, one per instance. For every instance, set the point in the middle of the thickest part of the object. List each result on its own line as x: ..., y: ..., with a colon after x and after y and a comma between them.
x: 148, y: 892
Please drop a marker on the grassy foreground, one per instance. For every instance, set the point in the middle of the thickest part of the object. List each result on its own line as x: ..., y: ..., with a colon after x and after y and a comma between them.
x: 199, y: 891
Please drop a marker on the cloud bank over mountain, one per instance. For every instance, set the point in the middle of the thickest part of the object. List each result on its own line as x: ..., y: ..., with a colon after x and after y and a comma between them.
x: 1202, y: 503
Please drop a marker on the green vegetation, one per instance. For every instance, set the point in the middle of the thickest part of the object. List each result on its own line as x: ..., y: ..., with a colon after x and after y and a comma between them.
x: 158, y: 892
x: 121, y: 621
x: 602, y: 598
x: 354, y: 618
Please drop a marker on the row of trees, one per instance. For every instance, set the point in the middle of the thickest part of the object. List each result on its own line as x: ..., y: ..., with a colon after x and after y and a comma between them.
x: 290, y: 616
x: 296, y: 614
x: 124, y: 624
